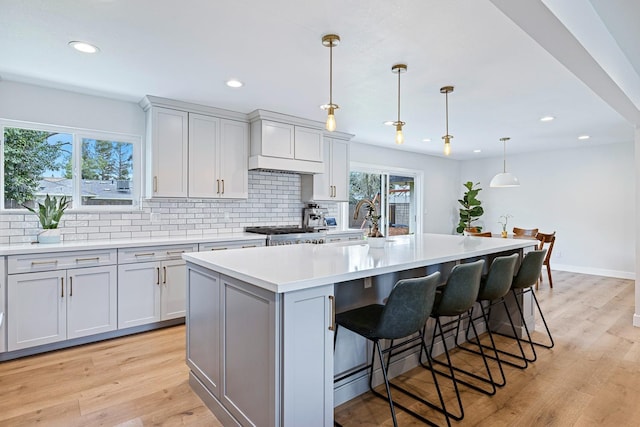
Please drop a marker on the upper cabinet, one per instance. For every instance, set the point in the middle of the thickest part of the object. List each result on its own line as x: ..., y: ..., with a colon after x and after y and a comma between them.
x: 333, y: 184
x: 286, y: 143
x: 195, y: 151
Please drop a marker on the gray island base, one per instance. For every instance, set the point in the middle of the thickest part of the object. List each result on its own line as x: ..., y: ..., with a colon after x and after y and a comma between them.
x: 260, y: 321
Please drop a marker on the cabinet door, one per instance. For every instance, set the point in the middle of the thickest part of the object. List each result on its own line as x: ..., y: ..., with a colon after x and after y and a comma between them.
x: 277, y: 140
x: 204, y: 135
x: 91, y: 300
x: 138, y: 294
x: 340, y: 170
x: 322, y: 185
x: 308, y: 144
x: 174, y: 289
x: 36, y: 312
x: 233, y: 159
x: 308, y: 352
x: 169, y: 152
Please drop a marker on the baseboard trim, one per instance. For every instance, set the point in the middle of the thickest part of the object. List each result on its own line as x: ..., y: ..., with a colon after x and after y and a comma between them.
x: 595, y: 271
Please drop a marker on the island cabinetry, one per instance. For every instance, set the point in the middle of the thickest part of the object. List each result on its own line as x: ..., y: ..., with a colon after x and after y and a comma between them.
x: 281, y: 344
x: 151, y: 284
x: 346, y: 236
x: 52, y: 303
x: 333, y: 184
x: 196, y: 151
x: 3, y: 306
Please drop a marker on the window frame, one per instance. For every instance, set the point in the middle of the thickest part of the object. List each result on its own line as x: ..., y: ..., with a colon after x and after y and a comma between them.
x: 78, y: 134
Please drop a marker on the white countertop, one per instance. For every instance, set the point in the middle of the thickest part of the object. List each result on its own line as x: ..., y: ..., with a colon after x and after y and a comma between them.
x: 78, y: 245
x: 293, y: 267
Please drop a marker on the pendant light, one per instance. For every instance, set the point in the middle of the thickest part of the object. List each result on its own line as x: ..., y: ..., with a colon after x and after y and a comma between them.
x: 447, y: 138
x: 505, y: 179
x: 330, y: 40
x: 399, y: 69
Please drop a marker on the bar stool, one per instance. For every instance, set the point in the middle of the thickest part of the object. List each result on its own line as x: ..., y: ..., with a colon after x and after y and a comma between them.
x: 404, y: 315
x: 493, y: 289
x: 454, y: 299
x: 523, y: 283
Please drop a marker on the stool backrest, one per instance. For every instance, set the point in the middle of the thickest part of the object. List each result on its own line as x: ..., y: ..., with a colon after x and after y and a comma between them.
x: 408, y: 307
x: 530, y: 232
x: 461, y: 290
x: 499, y: 279
x: 529, y: 271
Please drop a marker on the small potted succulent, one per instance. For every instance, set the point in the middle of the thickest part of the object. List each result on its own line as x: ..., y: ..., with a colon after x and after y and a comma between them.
x: 49, y: 214
x: 375, y: 238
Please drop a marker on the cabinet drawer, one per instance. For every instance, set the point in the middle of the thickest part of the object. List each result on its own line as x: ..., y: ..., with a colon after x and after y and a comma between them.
x: 154, y: 253
x: 217, y: 246
x: 60, y: 260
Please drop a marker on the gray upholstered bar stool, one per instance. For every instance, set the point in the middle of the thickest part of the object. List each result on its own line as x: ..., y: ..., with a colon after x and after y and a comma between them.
x: 522, y: 284
x: 453, y: 300
x: 493, y: 289
x: 404, y: 315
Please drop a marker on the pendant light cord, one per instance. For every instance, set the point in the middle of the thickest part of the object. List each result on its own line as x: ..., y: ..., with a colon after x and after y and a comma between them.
x: 446, y: 95
x: 399, y: 72
x: 331, y: 74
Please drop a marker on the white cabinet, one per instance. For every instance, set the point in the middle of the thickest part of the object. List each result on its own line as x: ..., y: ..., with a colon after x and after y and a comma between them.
x: 59, y: 304
x: 195, y: 151
x: 218, y: 153
x: 335, y: 237
x: 333, y: 184
x: 167, y: 160
x: 151, y: 284
x: 3, y: 306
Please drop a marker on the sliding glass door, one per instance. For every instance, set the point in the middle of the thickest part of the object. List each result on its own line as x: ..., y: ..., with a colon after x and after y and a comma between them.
x: 394, y: 196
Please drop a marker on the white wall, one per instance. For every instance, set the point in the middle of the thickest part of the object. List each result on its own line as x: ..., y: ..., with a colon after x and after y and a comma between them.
x: 587, y: 196
x: 62, y: 108
x: 441, y: 182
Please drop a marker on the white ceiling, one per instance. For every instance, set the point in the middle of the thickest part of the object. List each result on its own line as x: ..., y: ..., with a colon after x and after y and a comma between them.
x: 504, y: 79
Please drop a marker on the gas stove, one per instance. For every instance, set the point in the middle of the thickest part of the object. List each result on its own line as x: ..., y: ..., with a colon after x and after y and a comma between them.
x: 289, y: 235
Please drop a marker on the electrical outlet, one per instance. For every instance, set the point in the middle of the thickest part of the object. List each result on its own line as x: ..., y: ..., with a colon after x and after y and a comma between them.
x: 367, y: 282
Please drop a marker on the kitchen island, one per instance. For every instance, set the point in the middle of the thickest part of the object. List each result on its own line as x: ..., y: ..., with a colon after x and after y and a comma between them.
x: 260, y: 323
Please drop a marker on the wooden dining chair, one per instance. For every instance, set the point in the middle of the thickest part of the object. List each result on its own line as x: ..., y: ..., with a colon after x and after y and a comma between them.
x: 482, y: 234
x: 530, y: 232
x: 546, y: 241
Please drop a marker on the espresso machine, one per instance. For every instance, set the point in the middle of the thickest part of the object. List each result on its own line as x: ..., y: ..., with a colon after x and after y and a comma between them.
x: 313, y: 216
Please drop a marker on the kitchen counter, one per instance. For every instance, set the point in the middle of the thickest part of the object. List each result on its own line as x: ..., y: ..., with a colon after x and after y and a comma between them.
x: 289, y: 268
x: 75, y: 245
x: 260, y: 322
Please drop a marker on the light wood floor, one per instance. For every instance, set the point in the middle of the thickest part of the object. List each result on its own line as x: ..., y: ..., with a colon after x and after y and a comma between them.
x: 590, y: 378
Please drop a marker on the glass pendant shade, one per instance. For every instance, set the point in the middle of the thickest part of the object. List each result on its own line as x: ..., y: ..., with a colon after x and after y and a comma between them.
x: 331, y: 121
x: 399, y: 135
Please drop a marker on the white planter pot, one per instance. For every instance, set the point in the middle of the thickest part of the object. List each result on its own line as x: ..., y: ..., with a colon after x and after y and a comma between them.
x: 376, y: 242
x: 49, y: 236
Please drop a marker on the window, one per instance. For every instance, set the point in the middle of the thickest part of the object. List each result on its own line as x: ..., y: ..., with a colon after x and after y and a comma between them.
x: 394, y: 194
x: 93, y: 169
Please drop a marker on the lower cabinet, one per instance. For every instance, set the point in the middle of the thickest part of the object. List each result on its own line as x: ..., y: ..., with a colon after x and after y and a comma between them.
x: 263, y: 358
x: 154, y: 290
x: 51, y: 306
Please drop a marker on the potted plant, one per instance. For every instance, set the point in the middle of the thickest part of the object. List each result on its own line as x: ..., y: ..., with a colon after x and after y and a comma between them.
x: 504, y: 219
x: 375, y: 238
x: 471, y: 209
x: 49, y: 214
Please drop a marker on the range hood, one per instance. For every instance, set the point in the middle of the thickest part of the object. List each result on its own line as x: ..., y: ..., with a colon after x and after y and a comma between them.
x: 277, y: 164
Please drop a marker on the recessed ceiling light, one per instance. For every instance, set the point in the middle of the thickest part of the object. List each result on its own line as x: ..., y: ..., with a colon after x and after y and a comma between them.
x: 547, y: 118
x: 84, y: 47
x: 234, y: 83
x: 477, y: 151
x: 389, y: 123
x: 426, y: 140
x: 583, y: 137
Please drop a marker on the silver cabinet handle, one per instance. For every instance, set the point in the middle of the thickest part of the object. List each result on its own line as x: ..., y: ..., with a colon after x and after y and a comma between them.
x: 96, y: 258
x: 145, y: 254
x: 53, y: 261
x: 223, y: 186
x: 71, y: 286
x: 332, y: 325
x: 158, y: 278
x: 175, y: 252
x: 155, y: 184
x: 218, y: 249
x: 217, y: 186
x: 62, y: 287
x: 164, y: 275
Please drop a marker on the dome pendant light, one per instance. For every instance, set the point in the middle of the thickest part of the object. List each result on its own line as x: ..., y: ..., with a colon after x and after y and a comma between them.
x: 505, y: 179
x: 399, y: 69
x: 447, y: 138
x: 330, y: 40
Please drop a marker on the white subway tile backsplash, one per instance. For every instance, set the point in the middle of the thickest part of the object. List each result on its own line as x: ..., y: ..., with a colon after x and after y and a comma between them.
x: 274, y: 199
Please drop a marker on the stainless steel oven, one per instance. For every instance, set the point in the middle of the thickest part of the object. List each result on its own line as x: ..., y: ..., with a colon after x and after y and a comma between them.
x: 289, y: 235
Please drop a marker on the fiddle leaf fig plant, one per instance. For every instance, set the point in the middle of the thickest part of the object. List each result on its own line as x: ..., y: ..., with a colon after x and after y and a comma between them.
x: 471, y: 209
x: 50, y: 212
